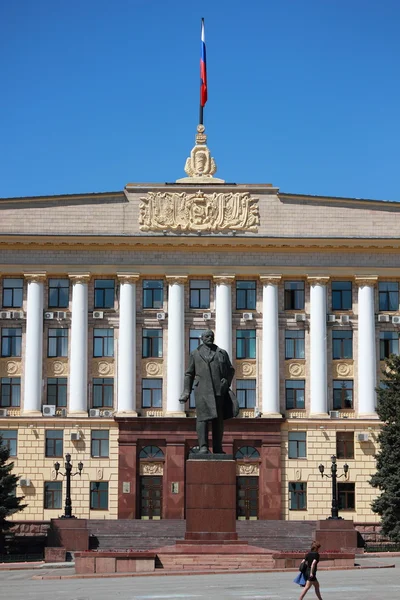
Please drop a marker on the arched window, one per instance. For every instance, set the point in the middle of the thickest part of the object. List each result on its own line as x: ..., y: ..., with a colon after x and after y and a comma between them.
x: 151, y: 452
x: 247, y: 452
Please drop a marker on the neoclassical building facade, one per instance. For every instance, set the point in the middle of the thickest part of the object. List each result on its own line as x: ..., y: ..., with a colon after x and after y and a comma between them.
x: 104, y: 296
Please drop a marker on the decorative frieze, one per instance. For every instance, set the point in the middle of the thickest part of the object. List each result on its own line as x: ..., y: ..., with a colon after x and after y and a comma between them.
x: 152, y: 368
x: 160, y: 211
x: 295, y: 370
x: 57, y: 368
x: 151, y: 468
x: 246, y: 369
x: 104, y: 368
x: 243, y: 469
x: 10, y: 368
x: 342, y: 369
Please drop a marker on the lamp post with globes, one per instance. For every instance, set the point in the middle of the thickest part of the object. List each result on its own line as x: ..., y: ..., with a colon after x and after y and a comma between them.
x: 68, y: 474
x: 334, y: 476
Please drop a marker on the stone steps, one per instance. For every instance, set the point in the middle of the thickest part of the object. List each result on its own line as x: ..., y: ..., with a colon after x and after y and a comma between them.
x: 193, y: 562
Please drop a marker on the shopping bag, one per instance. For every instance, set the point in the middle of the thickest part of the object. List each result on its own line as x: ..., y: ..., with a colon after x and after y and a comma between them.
x: 300, y: 579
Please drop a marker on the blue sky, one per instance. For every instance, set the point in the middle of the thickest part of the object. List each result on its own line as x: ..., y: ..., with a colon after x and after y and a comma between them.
x: 304, y: 94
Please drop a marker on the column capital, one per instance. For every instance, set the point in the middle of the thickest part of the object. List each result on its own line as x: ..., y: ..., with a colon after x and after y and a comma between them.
x: 224, y: 279
x: 318, y: 279
x: 128, y: 277
x: 270, y: 279
x: 366, y: 280
x: 35, y: 277
x: 79, y: 277
x: 180, y: 279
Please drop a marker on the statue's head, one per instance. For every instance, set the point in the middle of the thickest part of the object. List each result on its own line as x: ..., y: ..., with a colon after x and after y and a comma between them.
x: 208, y: 337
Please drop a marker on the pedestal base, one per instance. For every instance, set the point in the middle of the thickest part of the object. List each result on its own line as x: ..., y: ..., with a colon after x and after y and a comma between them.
x: 71, y: 534
x: 336, y: 535
x: 211, y: 498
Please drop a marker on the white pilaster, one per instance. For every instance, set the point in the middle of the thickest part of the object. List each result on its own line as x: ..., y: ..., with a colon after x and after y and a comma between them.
x: 318, y: 347
x: 223, y: 312
x: 176, y: 344
x: 126, y: 403
x: 34, y: 345
x: 366, y: 358
x: 270, y: 347
x: 78, y: 373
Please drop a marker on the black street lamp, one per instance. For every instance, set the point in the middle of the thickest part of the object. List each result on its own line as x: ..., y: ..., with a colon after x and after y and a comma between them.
x: 68, y: 468
x: 334, y: 477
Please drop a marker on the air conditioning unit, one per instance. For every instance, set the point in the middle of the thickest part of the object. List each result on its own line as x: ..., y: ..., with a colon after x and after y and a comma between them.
x: 24, y: 482
x: 363, y: 437
x: 331, y: 318
x: 344, y: 319
x: 98, y: 314
x: 107, y: 413
x: 160, y: 316
x: 49, y: 315
x: 206, y: 316
x: 94, y: 412
x: 3, y: 412
x: 63, y: 412
x: 61, y: 314
x: 48, y: 410
x: 334, y: 414
x: 383, y: 318
x: 17, y: 314
x: 299, y: 317
x: 396, y: 320
x: 247, y: 316
x: 75, y: 436
x: 5, y: 315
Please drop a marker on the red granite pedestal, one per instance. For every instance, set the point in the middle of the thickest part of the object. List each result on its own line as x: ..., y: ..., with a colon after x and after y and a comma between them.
x: 336, y: 535
x: 71, y: 534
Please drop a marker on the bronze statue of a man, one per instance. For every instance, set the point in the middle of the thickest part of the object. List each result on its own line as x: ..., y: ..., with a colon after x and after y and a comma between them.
x: 210, y: 374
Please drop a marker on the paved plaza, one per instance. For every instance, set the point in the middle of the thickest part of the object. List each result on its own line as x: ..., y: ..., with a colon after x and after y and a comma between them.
x: 364, y: 584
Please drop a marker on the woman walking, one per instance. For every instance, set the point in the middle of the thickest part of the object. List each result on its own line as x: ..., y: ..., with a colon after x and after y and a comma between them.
x: 312, y: 560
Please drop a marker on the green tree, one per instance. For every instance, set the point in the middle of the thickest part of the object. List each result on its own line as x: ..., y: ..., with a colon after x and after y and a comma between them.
x: 9, y: 503
x: 387, y: 476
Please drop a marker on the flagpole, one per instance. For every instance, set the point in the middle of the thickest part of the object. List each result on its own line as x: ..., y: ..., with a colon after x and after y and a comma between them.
x: 203, y: 75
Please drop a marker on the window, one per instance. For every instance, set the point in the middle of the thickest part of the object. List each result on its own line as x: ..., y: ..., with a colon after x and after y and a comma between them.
x: 297, y: 444
x: 104, y: 293
x: 388, y: 343
x: 246, y: 393
x: 199, y: 293
x: 245, y: 343
x: 151, y: 452
x: 294, y: 295
x: 297, y: 495
x: 12, y: 293
x: 52, y: 494
x: 247, y: 452
x: 10, y: 391
x: 10, y: 438
x: 11, y: 341
x: 341, y: 295
x: 99, y: 495
x: 342, y: 394
x: 57, y: 343
x: 58, y: 293
x: 388, y: 295
x: 245, y: 295
x: 345, y: 444
x: 294, y: 343
x: 195, y: 338
x: 57, y: 391
x: 100, y: 443
x: 103, y: 342
x: 151, y: 393
x: 153, y: 293
x: 294, y: 391
x: 152, y: 342
x: 342, y: 344
x: 54, y: 443
x: 346, y: 493
x: 103, y: 392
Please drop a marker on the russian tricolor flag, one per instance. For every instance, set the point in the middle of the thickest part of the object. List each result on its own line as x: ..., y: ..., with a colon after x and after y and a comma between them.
x: 203, y: 68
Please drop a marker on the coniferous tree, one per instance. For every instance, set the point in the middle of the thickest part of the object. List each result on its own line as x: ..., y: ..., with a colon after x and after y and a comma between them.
x: 9, y: 503
x: 387, y: 476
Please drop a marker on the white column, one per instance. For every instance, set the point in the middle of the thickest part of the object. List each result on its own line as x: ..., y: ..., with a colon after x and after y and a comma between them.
x: 223, y: 312
x: 33, y: 385
x: 366, y: 360
x: 126, y: 403
x: 318, y: 347
x: 78, y: 372
x: 176, y: 344
x: 270, y: 347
